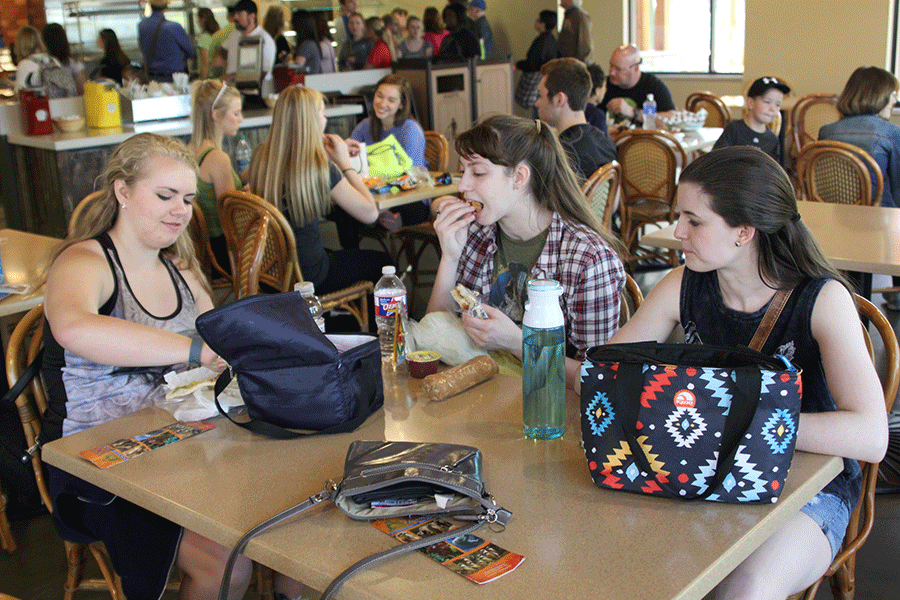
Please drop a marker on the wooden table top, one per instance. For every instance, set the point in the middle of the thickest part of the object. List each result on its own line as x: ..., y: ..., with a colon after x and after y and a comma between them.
x: 578, y: 540
x: 390, y: 200
x: 25, y: 258
x: 854, y: 238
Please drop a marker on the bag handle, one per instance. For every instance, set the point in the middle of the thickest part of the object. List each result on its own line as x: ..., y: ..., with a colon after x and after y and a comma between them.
x: 330, y: 493
x: 776, y: 305
x: 366, y: 377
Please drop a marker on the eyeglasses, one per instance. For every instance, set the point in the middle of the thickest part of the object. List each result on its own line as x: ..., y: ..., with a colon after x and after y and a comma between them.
x: 613, y: 67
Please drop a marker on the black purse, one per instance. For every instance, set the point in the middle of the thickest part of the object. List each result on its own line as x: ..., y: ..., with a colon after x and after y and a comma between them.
x: 422, y: 479
x: 290, y: 374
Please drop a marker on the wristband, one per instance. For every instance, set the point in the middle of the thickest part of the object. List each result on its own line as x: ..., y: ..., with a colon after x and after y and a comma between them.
x: 196, y: 348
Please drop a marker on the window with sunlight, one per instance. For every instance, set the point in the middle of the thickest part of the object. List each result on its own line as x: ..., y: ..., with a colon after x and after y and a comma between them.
x: 689, y: 36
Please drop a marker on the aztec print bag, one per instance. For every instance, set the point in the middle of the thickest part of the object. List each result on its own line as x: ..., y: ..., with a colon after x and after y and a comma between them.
x: 691, y: 421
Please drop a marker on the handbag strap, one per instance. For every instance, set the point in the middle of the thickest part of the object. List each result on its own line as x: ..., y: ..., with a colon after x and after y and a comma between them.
x: 16, y: 390
x: 330, y: 493
x: 366, y: 376
x: 776, y: 305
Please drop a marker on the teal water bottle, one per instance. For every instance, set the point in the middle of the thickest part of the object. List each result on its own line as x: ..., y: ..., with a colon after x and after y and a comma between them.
x: 543, y: 362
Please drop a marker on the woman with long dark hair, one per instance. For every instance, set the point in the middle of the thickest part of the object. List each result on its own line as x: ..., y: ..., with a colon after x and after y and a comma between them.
x: 743, y: 241
x: 114, y: 59
x: 206, y: 22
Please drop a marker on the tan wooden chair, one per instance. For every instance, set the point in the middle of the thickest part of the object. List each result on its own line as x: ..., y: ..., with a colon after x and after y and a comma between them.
x: 842, y: 571
x: 839, y: 173
x: 630, y: 300
x: 24, y: 344
x: 81, y: 207
x: 602, y: 190
x: 7, y: 539
x: 241, y: 216
x: 218, y: 277
x: 415, y: 240
x: 807, y: 117
x: 651, y: 162
x: 718, y: 114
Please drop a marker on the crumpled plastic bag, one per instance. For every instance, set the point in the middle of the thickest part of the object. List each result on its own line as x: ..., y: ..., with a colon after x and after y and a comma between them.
x: 443, y: 333
x: 200, y: 404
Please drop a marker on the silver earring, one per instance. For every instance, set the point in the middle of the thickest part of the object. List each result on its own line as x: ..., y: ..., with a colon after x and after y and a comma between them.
x: 123, y: 206
x: 738, y: 244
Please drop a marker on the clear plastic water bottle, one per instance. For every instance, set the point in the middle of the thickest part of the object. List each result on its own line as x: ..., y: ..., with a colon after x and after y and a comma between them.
x: 308, y: 291
x: 390, y: 297
x: 650, y: 112
x: 543, y: 362
x: 242, y: 153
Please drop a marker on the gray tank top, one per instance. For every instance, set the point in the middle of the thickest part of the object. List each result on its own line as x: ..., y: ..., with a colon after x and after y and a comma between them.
x: 91, y: 393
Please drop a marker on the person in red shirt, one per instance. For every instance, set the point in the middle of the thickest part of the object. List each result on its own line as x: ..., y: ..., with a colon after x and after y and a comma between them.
x: 380, y: 56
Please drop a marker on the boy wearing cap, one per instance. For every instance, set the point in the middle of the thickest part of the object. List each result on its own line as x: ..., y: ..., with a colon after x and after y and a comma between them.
x: 481, y: 27
x: 763, y: 104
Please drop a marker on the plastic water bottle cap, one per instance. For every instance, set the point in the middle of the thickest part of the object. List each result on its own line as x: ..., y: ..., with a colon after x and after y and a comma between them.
x: 305, y: 287
x: 388, y: 270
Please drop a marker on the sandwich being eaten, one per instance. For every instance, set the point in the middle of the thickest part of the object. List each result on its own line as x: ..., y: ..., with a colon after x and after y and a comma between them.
x: 468, y: 301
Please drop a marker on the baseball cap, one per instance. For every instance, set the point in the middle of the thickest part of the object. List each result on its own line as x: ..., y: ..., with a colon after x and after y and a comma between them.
x: 248, y: 6
x: 478, y: 4
x: 764, y: 84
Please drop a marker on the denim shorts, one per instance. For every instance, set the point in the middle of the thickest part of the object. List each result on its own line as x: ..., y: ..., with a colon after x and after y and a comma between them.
x: 831, y: 515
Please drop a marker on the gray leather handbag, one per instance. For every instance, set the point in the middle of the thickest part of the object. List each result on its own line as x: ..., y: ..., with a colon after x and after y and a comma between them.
x: 398, y: 479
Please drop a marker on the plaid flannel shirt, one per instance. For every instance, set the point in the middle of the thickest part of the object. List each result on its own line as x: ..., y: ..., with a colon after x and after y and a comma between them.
x: 591, y: 274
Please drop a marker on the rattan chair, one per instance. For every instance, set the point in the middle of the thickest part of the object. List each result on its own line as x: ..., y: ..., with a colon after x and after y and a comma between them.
x: 415, y: 240
x: 718, y: 114
x: 7, y: 540
x: 807, y: 117
x: 241, y: 214
x: 24, y: 344
x: 839, y: 173
x: 842, y: 571
x: 218, y: 277
x: 630, y: 300
x: 82, y: 206
x: 602, y: 190
x: 651, y: 162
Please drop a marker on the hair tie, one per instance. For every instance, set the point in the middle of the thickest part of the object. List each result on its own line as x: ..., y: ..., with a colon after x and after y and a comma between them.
x: 537, y: 123
x: 795, y: 218
x: 219, y: 95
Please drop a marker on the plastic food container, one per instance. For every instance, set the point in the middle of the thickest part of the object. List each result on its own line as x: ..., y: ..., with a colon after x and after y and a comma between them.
x: 422, y: 363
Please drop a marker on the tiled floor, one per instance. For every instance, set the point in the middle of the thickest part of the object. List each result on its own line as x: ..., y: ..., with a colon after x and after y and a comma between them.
x: 36, y: 571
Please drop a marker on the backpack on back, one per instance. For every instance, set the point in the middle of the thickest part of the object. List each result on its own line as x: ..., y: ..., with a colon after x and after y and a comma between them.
x: 57, y: 80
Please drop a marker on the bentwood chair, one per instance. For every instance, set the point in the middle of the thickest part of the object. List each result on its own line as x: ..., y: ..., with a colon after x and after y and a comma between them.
x: 651, y: 162
x: 81, y: 207
x: 807, y: 117
x: 241, y: 214
x: 218, y: 277
x: 7, y: 540
x: 602, y: 190
x: 415, y: 240
x: 717, y: 111
x: 630, y: 300
x: 840, y: 173
x: 24, y: 345
x: 842, y: 571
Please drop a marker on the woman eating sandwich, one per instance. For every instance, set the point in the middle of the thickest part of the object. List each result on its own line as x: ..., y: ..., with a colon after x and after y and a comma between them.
x: 524, y: 217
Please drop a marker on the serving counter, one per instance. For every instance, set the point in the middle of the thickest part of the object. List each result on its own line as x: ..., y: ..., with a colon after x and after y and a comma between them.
x: 47, y: 175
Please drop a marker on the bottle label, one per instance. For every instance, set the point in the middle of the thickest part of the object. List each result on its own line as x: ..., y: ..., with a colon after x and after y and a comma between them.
x: 386, y: 306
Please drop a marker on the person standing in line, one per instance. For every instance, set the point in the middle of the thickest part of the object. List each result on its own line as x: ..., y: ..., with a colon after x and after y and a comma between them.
x: 342, y: 24
x: 542, y: 50
x: 414, y: 46
x: 356, y: 49
x: 114, y: 59
x: 246, y: 26
x: 575, y: 36
x: 562, y: 96
x: 274, y: 26
x: 460, y: 42
x: 381, y: 55
x: 165, y: 44
x: 434, y: 29
x: 217, y: 56
x: 307, y: 52
x: 208, y: 26
x: 326, y: 43
x: 481, y: 29
x: 57, y: 43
